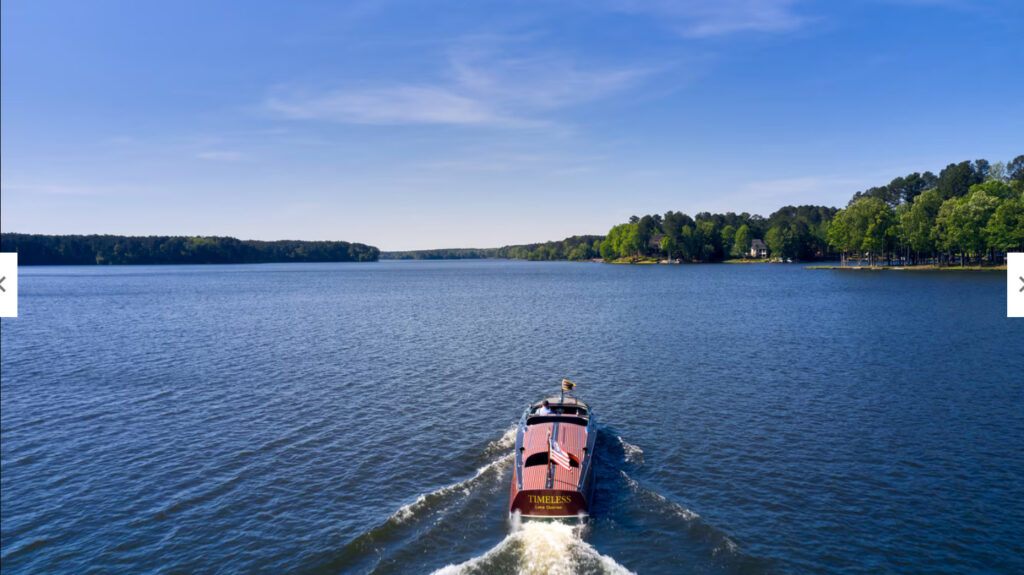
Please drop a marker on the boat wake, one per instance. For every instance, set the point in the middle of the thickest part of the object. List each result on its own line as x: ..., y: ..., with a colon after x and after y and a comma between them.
x: 456, y: 521
x: 633, y: 454
x: 487, y: 472
x: 537, y: 548
x: 436, y: 499
x: 720, y: 542
x: 431, y: 520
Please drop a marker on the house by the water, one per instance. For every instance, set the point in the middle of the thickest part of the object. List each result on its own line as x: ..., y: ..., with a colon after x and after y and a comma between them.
x: 758, y: 249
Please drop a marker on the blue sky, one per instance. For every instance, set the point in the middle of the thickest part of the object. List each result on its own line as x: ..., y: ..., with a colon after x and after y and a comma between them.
x: 424, y: 125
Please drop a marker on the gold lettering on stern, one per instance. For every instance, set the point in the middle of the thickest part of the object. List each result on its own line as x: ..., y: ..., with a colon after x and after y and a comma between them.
x: 549, y: 500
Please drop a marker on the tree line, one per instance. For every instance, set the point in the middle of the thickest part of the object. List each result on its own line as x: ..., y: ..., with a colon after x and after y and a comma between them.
x: 441, y: 254
x: 790, y: 232
x: 36, y: 249
x: 575, y: 248
x: 970, y: 212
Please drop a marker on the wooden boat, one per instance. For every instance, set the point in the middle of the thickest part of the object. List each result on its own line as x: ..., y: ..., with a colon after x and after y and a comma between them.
x: 554, y: 458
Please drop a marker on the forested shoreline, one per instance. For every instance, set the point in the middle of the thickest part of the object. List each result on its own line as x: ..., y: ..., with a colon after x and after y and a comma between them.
x: 39, y: 249
x: 798, y: 232
x: 973, y: 212
x: 575, y: 248
x: 970, y: 212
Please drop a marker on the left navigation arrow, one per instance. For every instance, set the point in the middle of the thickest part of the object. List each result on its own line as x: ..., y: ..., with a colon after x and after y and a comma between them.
x: 8, y: 284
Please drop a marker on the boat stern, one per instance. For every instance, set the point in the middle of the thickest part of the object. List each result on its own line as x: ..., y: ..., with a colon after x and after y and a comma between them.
x: 549, y: 503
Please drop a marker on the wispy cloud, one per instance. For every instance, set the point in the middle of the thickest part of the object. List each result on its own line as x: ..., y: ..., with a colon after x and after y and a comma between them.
x: 478, y: 84
x: 705, y: 19
x: 400, y: 104
x: 538, y: 81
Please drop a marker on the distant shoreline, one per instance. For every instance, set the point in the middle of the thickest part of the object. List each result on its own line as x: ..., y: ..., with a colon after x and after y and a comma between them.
x: 91, y: 250
x: 917, y: 268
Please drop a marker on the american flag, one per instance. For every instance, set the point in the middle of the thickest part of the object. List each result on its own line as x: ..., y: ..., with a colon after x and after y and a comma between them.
x: 558, y: 456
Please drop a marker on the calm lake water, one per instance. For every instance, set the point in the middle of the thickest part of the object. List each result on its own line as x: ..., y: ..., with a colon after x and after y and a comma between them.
x: 328, y: 418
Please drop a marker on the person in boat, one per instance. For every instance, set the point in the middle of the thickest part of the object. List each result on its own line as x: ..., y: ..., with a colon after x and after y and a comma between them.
x: 544, y: 409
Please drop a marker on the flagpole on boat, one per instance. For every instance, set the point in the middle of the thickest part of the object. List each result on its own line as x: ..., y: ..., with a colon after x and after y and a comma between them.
x: 566, y: 386
x: 550, y: 482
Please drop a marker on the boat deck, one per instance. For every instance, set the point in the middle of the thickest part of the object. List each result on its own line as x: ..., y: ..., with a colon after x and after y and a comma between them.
x: 571, y: 437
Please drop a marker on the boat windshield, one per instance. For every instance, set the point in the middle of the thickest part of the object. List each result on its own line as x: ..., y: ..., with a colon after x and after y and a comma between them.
x: 564, y: 410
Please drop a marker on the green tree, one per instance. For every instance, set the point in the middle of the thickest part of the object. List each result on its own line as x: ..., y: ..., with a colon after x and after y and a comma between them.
x: 868, y: 227
x: 966, y: 228
x: 997, y: 172
x: 672, y: 224
x: 994, y: 188
x: 1015, y: 168
x: 880, y: 233
x: 1005, y: 229
x: 839, y: 234
x: 728, y: 235
x: 943, y: 232
x: 622, y: 241
x: 741, y: 245
x: 782, y: 241
x: 956, y: 179
x: 687, y: 243
x: 669, y: 245
x: 612, y: 246
x: 706, y: 240
x: 915, y: 184
x: 646, y: 227
x: 917, y: 222
x: 632, y: 241
x: 776, y: 242
x: 607, y: 250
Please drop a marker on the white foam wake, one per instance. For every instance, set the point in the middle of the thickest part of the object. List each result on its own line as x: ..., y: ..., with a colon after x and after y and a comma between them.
x: 410, y: 510
x: 539, y: 548
x: 633, y: 454
x: 674, y: 507
x: 506, y: 442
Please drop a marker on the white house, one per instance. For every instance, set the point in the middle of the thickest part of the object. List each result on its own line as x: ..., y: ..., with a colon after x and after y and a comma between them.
x: 758, y: 249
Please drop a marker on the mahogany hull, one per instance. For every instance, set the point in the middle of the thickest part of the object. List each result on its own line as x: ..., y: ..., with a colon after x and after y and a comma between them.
x: 541, y: 488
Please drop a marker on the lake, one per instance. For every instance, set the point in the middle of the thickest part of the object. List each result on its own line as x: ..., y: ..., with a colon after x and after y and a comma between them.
x: 329, y: 418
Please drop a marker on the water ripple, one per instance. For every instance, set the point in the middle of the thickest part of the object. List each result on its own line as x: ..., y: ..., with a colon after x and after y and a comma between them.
x: 354, y: 418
